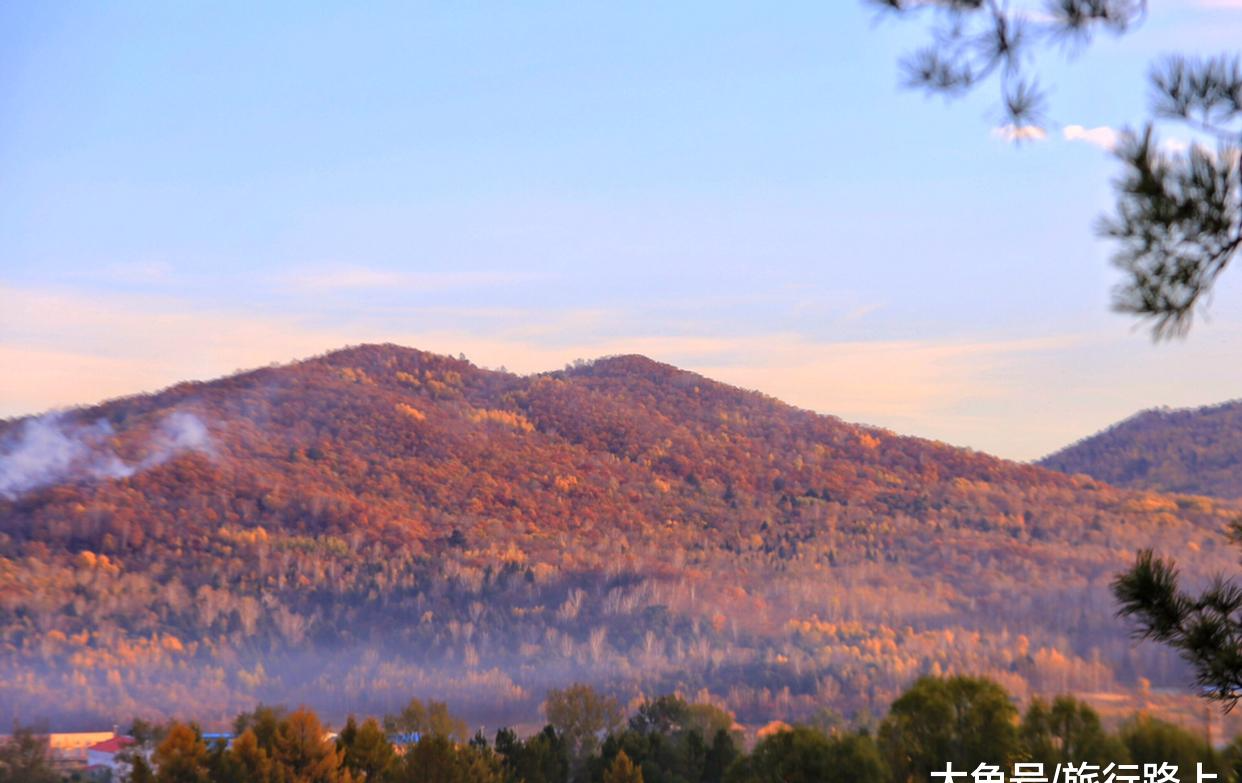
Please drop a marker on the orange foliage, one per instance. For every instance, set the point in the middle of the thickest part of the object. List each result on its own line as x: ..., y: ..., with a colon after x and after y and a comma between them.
x: 625, y: 520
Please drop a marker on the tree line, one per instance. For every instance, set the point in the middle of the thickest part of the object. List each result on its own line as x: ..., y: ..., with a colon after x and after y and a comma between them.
x: 588, y: 738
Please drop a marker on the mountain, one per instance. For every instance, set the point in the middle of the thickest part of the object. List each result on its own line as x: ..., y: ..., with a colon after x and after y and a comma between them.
x: 1194, y: 451
x: 380, y: 522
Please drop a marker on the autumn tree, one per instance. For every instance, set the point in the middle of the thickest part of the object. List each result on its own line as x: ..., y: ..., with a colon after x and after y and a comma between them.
x: 622, y: 770
x: 303, y: 754
x: 182, y: 756
x: 248, y: 761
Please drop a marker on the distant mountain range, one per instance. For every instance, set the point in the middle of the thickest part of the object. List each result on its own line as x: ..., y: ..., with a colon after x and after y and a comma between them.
x: 380, y: 522
x: 1194, y: 451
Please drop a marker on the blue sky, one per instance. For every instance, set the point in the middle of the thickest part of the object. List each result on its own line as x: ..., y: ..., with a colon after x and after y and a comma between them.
x: 740, y: 189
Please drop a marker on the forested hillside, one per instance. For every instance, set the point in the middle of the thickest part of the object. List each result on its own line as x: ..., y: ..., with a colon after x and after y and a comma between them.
x: 1195, y: 451
x: 379, y: 522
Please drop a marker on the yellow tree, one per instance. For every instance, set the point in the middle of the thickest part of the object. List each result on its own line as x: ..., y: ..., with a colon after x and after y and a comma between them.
x: 623, y: 770
x: 304, y: 754
x: 182, y: 756
x: 250, y: 760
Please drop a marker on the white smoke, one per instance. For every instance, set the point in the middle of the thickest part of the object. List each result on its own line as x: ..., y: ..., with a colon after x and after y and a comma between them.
x: 178, y: 432
x: 48, y: 450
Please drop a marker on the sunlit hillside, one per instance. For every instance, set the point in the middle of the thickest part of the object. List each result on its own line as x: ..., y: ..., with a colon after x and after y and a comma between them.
x: 379, y: 522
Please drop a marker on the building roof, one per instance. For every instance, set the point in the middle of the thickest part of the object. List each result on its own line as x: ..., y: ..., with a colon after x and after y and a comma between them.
x: 73, y: 740
x: 114, y: 745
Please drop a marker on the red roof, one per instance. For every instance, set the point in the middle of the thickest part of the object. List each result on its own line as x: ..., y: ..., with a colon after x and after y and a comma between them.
x: 114, y: 745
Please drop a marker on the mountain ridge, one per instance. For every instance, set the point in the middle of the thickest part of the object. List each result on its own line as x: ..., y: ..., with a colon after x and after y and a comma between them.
x: 1194, y: 450
x: 379, y: 519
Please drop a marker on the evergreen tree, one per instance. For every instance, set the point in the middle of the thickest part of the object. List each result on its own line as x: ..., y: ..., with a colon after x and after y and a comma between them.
x: 1205, y: 628
x: 542, y: 758
x: 720, y: 756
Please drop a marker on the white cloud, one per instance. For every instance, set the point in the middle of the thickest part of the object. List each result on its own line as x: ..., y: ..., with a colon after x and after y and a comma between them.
x: 1018, y: 133
x: 1107, y: 138
x: 1104, y: 137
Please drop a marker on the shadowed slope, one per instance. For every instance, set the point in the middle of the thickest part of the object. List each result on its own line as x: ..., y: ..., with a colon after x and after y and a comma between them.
x: 1194, y: 451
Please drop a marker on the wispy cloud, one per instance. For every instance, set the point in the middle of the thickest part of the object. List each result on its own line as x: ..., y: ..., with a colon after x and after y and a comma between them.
x: 1019, y: 133
x: 1104, y: 137
x: 1107, y: 138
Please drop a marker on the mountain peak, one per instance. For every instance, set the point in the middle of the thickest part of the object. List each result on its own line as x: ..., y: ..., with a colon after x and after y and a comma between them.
x: 631, y: 364
x: 371, y: 352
